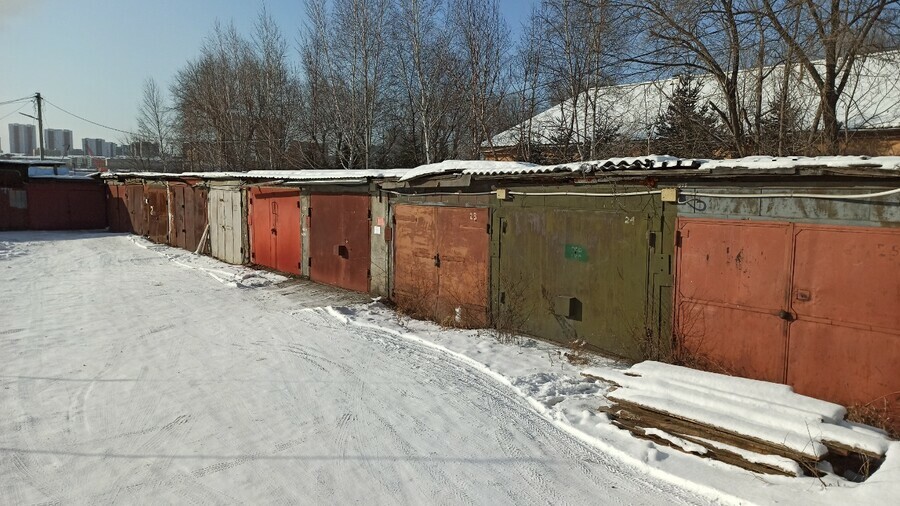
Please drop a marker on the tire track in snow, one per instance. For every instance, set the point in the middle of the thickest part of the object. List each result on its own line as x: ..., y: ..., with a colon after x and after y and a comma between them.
x: 588, y: 459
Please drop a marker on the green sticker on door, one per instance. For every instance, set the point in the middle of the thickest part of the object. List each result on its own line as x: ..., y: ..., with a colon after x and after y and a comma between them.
x: 576, y: 252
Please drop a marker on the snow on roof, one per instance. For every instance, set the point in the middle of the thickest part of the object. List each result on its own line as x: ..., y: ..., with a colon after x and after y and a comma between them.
x: 492, y: 168
x: 471, y: 166
x: 288, y: 175
x: 871, y: 100
x: 785, y: 162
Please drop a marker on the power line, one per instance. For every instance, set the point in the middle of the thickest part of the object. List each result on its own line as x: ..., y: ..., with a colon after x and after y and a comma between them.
x: 17, y: 100
x: 89, y: 121
x: 17, y: 110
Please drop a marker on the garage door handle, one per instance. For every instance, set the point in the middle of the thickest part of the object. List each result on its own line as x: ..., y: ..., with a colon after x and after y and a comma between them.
x: 786, y: 316
x: 437, y: 260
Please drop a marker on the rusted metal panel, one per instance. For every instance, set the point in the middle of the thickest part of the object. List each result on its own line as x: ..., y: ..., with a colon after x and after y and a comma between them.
x: 228, y: 224
x: 117, y: 208
x: 441, y: 263
x: 812, y: 306
x: 463, y: 244
x: 137, y: 208
x: 339, y: 240
x: 732, y: 290
x: 415, y: 249
x: 13, y: 209
x: 845, y: 297
x: 847, y: 276
x: 189, y: 215
x: 156, y: 206
x: 847, y: 365
x: 69, y: 205
x: 274, y: 221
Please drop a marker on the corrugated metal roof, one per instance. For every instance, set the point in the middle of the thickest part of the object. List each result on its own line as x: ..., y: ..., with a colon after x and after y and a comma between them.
x: 286, y: 175
x: 788, y: 162
x: 492, y: 168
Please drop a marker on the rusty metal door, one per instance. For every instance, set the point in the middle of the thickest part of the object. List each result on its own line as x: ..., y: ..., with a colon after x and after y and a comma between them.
x: 845, y: 299
x: 157, y: 209
x: 808, y: 305
x: 137, y: 214
x: 339, y: 242
x: 274, y: 219
x: 463, y: 243
x: 732, y: 293
x: 415, y: 254
x: 441, y: 263
x: 117, y: 209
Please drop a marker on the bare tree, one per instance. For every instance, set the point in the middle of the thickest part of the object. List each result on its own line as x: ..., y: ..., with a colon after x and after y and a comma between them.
x: 424, y: 67
x: 708, y: 37
x: 842, y: 33
x: 154, y: 123
x: 482, y: 42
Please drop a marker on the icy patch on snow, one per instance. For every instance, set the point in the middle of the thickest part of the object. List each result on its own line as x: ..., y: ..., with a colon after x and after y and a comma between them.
x: 10, y: 250
x: 231, y: 275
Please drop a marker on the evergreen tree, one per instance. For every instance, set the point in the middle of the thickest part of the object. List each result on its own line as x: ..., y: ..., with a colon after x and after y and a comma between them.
x: 687, y: 129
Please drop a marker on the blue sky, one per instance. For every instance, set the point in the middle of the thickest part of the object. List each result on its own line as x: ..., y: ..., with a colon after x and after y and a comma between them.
x: 91, y: 57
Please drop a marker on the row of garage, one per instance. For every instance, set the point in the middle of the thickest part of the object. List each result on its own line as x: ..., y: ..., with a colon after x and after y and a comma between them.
x: 40, y: 200
x: 788, y: 274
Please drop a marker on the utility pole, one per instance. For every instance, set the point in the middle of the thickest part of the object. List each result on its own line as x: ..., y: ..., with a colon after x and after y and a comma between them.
x: 37, y: 96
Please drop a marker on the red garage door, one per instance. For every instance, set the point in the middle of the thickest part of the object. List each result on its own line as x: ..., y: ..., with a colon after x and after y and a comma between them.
x: 339, y: 242
x: 274, y: 220
x: 441, y: 263
x: 811, y: 306
x: 69, y: 205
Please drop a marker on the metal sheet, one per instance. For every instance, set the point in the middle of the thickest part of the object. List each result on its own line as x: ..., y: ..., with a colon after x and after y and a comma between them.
x: 57, y: 205
x: 847, y: 275
x: 415, y: 247
x: 598, y: 256
x: 274, y: 221
x: 845, y: 342
x: 732, y: 285
x: 339, y: 240
x: 463, y: 244
x: 850, y: 366
x: 227, y: 225
x: 137, y: 213
x: 117, y: 208
x: 156, y: 206
x: 812, y: 306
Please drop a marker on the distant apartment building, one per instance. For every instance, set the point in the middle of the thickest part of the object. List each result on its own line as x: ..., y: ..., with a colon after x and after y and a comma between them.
x: 22, y: 139
x: 98, y: 147
x: 57, y: 141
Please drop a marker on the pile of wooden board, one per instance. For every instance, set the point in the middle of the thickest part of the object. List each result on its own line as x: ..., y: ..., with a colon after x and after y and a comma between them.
x: 760, y: 426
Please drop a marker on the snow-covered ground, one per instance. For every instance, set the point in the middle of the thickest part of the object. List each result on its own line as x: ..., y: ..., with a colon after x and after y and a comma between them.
x: 135, y: 373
